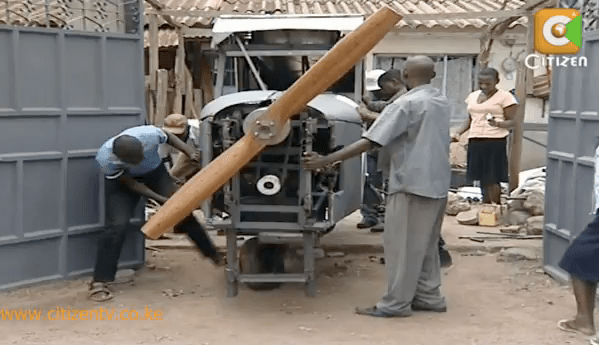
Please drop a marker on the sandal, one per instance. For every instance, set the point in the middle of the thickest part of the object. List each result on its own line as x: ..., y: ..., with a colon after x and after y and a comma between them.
x: 99, y: 292
x: 594, y: 340
x: 563, y: 325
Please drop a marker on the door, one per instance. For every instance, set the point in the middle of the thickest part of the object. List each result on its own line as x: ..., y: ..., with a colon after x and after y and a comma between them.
x: 64, y: 92
x: 572, y: 140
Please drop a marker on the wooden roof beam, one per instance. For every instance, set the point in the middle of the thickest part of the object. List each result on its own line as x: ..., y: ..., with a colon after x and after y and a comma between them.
x: 160, y: 9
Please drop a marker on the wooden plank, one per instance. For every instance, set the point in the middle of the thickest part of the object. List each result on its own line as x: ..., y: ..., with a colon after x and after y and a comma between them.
x: 198, y: 100
x: 179, y: 75
x: 161, y: 97
x: 190, y: 106
x: 195, y: 32
x: 521, y: 92
x: 159, y: 9
x: 220, y: 73
x: 153, y: 51
x: 151, y: 108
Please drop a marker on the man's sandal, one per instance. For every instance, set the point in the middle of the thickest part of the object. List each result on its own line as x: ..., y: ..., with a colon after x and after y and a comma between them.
x: 564, y: 326
x: 99, y: 292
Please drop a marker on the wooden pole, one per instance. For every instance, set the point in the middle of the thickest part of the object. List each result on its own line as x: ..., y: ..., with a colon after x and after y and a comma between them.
x: 153, y: 65
x: 179, y: 74
x: 523, y: 78
x: 161, y: 97
x: 206, y: 80
x: 153, y: 50
x: 318, y: 79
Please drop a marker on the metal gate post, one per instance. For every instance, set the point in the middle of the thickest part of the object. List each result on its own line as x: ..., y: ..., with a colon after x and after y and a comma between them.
x: 309, y: 242
x: 232, y: 268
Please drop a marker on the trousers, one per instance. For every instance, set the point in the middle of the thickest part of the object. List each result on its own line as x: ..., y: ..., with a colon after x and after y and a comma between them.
x: 411, y: 243
x: 372, y: 184
x: 120, y: 208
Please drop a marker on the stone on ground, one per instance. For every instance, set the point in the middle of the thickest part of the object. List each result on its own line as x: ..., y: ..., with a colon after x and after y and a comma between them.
x: 535, y: 203
x: 517, y: 254
x: 454, y: 208
x: 468, y: 217
x: 518, y: 217
x: 534, y: 225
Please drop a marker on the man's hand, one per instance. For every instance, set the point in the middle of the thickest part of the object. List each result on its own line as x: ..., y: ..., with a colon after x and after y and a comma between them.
x: 193, y: 154
x: 314, y: 161
x: 363, y: 111
x: 160, y: 199
x: 196, y: 156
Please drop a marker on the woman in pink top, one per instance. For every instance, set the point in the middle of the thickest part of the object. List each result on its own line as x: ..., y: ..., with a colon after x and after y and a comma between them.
x: 492, y: 114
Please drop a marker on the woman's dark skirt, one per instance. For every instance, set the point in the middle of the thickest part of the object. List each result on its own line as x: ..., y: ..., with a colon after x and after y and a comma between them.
x: 487, y: 161
x: 581, y: 258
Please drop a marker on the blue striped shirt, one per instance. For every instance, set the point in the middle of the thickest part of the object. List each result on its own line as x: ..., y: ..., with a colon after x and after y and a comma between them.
x: 151, y: 138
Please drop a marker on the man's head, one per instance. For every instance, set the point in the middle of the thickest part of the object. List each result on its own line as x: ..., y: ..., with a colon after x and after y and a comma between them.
x: 372, y: 80
x: 176, y: 124
x: 418, y: 70
x: 128, y: 149
x: 488, y: 79
x: 390, y: 82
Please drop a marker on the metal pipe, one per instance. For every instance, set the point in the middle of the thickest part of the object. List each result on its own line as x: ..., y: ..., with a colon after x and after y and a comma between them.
x: 534, y: 141
x: 252, y: 67
x: 444, y: 75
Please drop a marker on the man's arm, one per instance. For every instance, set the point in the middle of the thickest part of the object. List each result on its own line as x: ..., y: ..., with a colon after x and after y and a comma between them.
x: 378, y: 106
x: 178, y: 144
x: 367, y: 116
x: 315, y: 161
x: 141, y: 188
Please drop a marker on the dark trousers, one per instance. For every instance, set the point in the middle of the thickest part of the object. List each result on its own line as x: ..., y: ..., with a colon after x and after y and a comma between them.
x: 372, y: 199
x: 120, y: 208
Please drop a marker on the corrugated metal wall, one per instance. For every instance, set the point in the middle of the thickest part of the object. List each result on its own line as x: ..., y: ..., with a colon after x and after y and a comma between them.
x: 573, y: 138
x: 63, y: 93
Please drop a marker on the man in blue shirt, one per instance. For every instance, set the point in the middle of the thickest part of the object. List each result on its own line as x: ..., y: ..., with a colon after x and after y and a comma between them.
x: 133, y: 168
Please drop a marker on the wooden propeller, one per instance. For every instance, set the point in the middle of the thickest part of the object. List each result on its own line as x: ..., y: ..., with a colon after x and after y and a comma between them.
x: 328, y: 70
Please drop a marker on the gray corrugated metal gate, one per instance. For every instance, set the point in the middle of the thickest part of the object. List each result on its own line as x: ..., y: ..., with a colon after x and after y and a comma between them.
x: 62, y: 94
x: 573, y: 137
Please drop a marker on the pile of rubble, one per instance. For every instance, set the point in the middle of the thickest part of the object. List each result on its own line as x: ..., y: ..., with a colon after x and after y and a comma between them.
x: 523, y: 210
x: 526, y: 204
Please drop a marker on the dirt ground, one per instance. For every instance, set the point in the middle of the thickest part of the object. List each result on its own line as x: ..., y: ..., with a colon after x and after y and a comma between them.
x: 489, y: 302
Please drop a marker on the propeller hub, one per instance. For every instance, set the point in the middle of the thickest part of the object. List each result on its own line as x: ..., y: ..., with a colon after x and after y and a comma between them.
x: 264, y: 129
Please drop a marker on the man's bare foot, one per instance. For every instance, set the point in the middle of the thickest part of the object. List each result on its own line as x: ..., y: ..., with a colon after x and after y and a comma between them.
x: 575, y: 326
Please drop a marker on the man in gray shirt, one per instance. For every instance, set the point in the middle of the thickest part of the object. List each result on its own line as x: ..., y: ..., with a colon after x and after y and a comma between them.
x: 414, y: 130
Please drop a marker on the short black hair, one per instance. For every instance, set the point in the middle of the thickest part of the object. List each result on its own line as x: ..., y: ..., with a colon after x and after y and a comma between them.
x: 489, y: 71
x: 390, y: 76
x: 124, y: 143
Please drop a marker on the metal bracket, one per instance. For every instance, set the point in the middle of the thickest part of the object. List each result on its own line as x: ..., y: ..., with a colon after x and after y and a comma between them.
x: 265, y: 130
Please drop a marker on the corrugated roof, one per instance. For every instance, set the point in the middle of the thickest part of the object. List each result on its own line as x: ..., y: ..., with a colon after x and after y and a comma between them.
x: 362, y: 7
x: 89, y: 15
x: 85, y: 14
